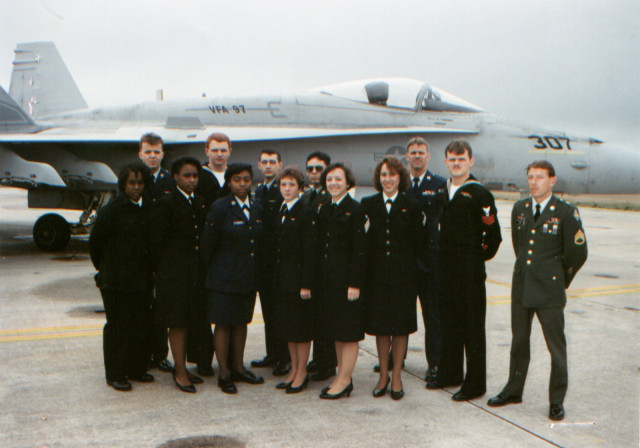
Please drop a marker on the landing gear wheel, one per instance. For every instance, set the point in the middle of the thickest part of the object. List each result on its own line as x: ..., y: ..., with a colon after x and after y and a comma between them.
x: 51, y: 232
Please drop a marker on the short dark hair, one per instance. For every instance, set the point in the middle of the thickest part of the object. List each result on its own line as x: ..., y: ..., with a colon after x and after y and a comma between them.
x: 151, y: 138
x: 135, y: 168
x: 458, y: 147
x: 270, y: 152
x: 219, y: 137
x: 320, y: 155
x: 236, y: 168
x: 417, y: 141
x: 177, y: 165
x: 294, y: 172
x: 350, y: 178
x: 395, y: 166
x: 544, y: 164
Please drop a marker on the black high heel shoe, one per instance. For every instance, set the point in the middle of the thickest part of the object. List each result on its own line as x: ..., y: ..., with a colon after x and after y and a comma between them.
x: 284, y: 385
x: 190, y: 388
x: 300, y: 388
x: 380, y: 392
x: 397, y: 395
x: 346, y: 391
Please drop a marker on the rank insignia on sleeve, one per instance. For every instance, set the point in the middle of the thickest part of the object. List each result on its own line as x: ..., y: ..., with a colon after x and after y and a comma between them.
x: 576, y: 214
x: 367, y: 224
x: 488, y: 219
x: 579, y: 239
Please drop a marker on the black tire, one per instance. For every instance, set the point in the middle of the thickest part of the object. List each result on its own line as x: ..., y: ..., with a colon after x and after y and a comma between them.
x: 51, y: 232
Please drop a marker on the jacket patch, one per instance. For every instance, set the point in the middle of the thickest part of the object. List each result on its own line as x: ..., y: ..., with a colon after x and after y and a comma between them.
x: 579, y: 239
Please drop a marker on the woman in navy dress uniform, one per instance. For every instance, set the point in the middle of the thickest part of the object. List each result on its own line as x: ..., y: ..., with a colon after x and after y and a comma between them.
x: 175, y: 236
x: 341, y: 266
x: 294, y: 256
x: 395, y: 234
x: 119, y: 249
x: 231, y: 251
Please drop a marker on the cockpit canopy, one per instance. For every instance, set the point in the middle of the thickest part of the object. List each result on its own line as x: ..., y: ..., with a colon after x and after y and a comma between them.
x: 401, y: 93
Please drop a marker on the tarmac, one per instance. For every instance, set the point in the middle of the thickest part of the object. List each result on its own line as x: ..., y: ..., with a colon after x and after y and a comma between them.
x: 53, y: 390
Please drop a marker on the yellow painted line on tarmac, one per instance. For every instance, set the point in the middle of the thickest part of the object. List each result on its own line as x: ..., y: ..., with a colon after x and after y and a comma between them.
x: 75, y: 331
x: 579, y: 293
x: 497, y: 282
x: 67, y: 331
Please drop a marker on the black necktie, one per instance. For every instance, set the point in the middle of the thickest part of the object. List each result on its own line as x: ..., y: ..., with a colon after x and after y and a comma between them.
x: 332, y: 210
x: 283, y: 212
x: 245, y: 209
x: 416, y: 184
x: 537, y: 215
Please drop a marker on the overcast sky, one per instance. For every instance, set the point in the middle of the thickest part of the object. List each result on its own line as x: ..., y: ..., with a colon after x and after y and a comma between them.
x: 571, y: 65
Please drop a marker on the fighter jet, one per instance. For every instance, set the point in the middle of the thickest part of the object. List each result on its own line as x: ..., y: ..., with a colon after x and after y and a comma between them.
x: 67, y: 155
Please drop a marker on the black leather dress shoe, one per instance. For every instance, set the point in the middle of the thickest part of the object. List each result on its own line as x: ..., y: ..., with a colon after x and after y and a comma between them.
x: 226, y: 385
x: 143, y: 378
x: 281, y: 369
x: 298, y: 389
x: 246, y: 377
x: 267, y: 361
x: 312, y: 366
x: 323, y: 374
x: 503, y: 399
x: 432, y: 373
x: 466, y: 396
x: 205, y: 371
x: 325, y: 395
x: 164, y: 366
x: 556, y: 412
x: 189, y: 388
x: 195, y: 379
x: 283, y: 385
x: 122, y: 386
x: 397, y: 395
x: 377, y: 393
x: 437, y: 384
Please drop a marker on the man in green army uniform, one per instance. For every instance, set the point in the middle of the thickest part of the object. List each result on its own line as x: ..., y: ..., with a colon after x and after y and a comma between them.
x: 550, y: 247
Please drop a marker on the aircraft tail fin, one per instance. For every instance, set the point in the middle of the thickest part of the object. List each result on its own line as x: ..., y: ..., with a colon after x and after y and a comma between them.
x: 41, y: 83
x: 12, y: 117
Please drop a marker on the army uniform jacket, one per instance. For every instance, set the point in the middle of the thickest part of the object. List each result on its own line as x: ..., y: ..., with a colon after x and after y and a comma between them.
x: 469, y: 224
x: 231, y: 246
x: 549, y: 252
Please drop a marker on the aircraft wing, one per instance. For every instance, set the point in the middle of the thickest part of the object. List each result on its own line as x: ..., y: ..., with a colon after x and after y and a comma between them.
x: 241, y: 133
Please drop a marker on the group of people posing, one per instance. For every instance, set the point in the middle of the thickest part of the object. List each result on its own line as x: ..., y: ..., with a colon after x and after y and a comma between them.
x: 190, y: 248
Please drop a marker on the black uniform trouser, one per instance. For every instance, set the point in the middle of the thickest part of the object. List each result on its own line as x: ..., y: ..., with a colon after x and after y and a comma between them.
x: 428, y: 295
x: 158, y: 338
x: 276, y: 345
x: 126, y: 333
x: 552, y: 323
x: 462, y: 319
x: 200, y: 336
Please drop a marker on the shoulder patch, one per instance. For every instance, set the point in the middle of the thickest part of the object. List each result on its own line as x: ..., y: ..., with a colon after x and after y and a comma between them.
x: 579, y: 239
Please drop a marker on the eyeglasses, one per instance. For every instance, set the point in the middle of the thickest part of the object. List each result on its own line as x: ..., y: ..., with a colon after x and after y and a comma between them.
x: 312, y: 168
